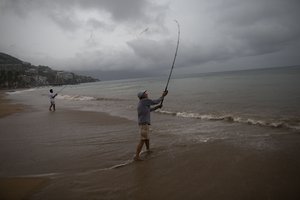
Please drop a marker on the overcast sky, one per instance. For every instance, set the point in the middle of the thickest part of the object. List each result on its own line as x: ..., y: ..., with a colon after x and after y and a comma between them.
x: 128, y: 38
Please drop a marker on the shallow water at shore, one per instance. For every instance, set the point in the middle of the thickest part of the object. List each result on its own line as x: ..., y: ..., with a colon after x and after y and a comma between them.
x: 88, y: 155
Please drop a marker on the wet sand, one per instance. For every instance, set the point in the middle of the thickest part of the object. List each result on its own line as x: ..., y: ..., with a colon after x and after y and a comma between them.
x: 16, y: 187
x: 217, y: 170
x: 20, y: 187
x: 88, y: 155
x: 37, y: 145
x: 7, y: 107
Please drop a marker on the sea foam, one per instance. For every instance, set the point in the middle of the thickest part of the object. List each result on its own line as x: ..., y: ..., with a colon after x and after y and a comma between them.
x: 235, y: 119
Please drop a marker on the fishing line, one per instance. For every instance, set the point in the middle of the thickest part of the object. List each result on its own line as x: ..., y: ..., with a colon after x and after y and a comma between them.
x: 61, y: 89
x: 144, y: 31
x: 166, y: 88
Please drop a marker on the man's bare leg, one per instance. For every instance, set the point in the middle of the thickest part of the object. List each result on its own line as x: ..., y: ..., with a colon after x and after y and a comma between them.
x: 147, y: 142
x: 138, y: 150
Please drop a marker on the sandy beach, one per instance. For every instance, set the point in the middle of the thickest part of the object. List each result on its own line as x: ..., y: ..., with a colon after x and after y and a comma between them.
x: 16, y: 187
x: 71, y: 154
x: 25, y: 166
x: 7, y: 107
x: 20, y: 187
x: 211, y: 171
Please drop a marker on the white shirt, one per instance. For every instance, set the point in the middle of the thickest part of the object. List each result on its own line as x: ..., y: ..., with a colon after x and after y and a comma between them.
x: 52, y: 96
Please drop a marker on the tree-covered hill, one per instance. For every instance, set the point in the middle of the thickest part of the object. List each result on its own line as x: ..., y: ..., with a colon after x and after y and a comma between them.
x: 15, y: 73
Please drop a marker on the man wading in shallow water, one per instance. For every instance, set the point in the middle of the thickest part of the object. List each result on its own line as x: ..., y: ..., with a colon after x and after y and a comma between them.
x: 144, y: 109
x: 52, y: 100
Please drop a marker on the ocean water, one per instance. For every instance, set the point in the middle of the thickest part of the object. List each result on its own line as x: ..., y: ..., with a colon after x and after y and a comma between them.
x: 200, y: 106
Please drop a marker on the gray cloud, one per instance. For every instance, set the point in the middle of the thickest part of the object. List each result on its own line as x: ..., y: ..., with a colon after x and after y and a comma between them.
x: 124, y: 10
x: 97, y: 24
x: 244, y: 28
x: 154, y: 54
x: 65, y: 19
x: 105, y: 34
x: 119, y: 10
x: 261, y: 27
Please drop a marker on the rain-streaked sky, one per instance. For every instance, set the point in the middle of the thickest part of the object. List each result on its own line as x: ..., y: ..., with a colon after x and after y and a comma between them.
x: 128, y: 38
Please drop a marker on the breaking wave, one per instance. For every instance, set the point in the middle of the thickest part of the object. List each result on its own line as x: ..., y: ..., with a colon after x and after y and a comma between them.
x: 21, y: 91
x: 294, y: 125
x: 75, y: 97
x: 85, y: 98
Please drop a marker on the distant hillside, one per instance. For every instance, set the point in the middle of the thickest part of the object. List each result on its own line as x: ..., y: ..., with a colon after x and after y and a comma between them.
x: 15, y: 73
x: 7, y: 59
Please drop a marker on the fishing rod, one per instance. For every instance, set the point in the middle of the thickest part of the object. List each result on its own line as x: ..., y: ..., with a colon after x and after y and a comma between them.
x: 166, y: 88
x: 61, y: 89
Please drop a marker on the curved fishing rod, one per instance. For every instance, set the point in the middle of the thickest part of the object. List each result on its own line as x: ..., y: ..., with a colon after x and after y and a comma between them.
x: 166, y: 88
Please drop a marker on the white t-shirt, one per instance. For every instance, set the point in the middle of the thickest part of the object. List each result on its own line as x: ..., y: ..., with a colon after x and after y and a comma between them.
x: 52, y: 96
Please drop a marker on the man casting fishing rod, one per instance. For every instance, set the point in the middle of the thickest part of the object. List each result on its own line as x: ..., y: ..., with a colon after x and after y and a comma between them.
x: 144, y: 108
x: 52, y: 98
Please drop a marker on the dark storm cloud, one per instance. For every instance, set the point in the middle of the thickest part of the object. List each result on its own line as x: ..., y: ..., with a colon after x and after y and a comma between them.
x: 261, y: 26
x: 245, y: 28
x: 60, y: 12
x: 212, y: 32
x: 124, y: 10
x: 65, y: 19
x: 241, y: 29
x: 63, y: 12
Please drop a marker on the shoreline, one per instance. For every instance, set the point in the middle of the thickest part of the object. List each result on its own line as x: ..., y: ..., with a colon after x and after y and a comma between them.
x: 7, y: 107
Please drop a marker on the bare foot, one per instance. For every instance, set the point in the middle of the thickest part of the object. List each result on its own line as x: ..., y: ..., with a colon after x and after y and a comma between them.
x: 137, y: 158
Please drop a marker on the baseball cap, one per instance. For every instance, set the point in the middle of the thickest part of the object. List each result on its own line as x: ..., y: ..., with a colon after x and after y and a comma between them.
x: 141, y: 93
